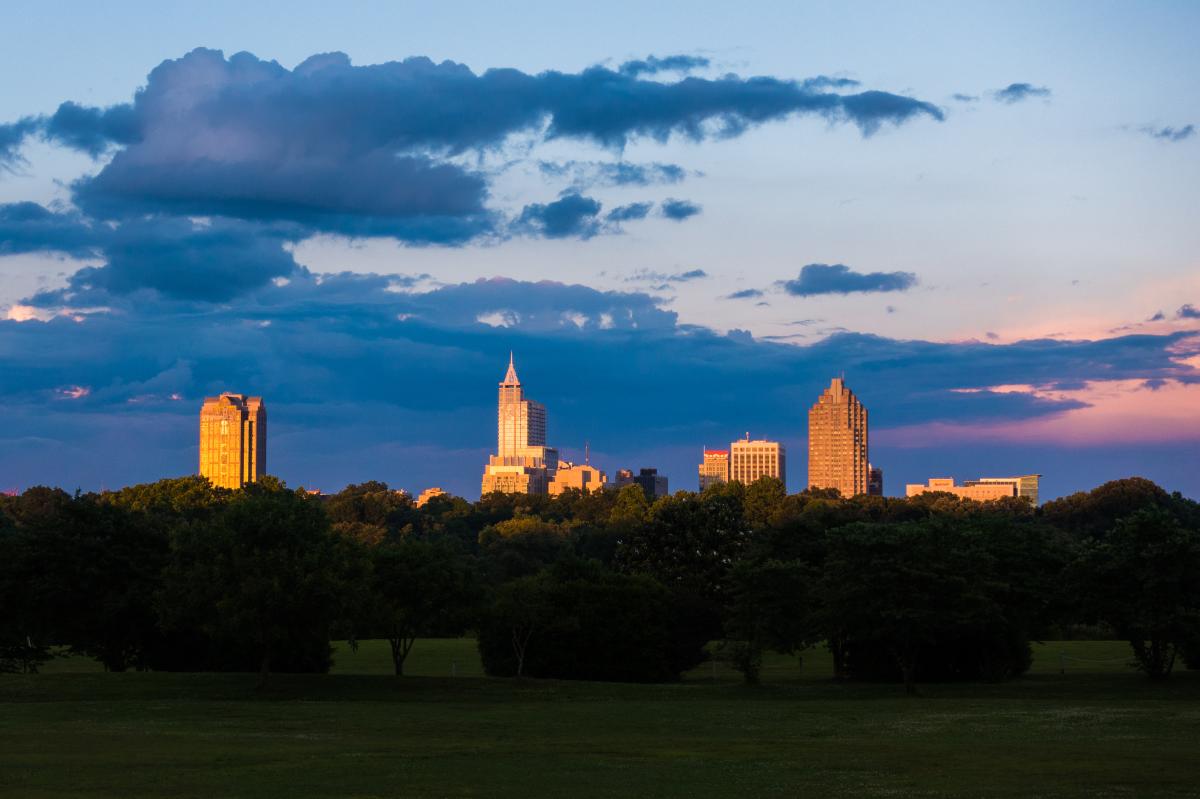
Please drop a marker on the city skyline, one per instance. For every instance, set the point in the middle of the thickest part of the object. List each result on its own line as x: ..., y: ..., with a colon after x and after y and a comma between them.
x: 685, y: 229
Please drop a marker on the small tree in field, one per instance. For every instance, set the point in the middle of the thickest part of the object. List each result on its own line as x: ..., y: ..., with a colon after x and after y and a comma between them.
x: 526, y: 606
x: 1144, y: 581
x: 419, y: 588
x: 768, y: 610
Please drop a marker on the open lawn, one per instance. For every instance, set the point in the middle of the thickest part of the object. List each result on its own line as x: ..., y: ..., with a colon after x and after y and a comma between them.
x: 1099, y: 730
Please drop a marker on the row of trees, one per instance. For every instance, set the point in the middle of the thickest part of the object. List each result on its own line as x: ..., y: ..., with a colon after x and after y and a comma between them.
x: 177, y: 575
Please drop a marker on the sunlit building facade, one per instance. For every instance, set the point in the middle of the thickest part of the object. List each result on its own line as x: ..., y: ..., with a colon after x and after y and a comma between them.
x: 837, y: 441
x: 523, y: 464
x: 429, y: 494
x: 233, y: 440
x: 580, y: 476
x: 750, y: 460
x: 985, y: 489
x: 714, y: 468
x: 1024, y: 486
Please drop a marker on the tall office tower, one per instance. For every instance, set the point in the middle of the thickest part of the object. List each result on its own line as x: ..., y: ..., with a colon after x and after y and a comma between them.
x: 874, y: 481
x: 750, y: 460
x: 714, y: 470
x: 233, y: 440
x: 837, y: 441
x: 523, y: 464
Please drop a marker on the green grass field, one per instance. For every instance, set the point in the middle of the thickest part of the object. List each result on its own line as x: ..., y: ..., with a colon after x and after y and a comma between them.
x: 1098, y: 730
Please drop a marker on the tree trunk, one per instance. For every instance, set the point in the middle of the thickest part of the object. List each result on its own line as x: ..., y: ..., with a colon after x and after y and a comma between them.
x: 837, y: 649
x: 264, y: 670
x: 397, y: 658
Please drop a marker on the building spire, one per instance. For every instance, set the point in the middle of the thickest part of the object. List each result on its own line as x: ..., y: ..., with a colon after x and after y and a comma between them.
x: 510, y: 378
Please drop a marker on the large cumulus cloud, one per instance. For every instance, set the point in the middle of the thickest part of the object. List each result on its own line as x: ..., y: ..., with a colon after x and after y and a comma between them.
x: 331, y: 144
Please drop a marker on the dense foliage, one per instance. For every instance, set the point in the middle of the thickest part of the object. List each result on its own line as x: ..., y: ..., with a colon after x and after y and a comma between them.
x: 179, y: 575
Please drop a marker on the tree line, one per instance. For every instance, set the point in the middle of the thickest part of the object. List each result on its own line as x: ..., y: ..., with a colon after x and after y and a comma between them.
x: 178, y: 575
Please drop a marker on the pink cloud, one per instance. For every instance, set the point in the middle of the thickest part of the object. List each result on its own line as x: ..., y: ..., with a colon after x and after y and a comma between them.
x: 1116, y: 411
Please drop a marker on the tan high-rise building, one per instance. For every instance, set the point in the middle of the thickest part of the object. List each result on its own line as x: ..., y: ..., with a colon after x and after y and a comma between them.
x: 750, y: 460
x: 837, y: 441
x: 523, y: 464
x: 714, y: 469
x: 233, y: 440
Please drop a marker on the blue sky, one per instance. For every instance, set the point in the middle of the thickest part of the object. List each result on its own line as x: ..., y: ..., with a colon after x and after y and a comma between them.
x: 983, y: 215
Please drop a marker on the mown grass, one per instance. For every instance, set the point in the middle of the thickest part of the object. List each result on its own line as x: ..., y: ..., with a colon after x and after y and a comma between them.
x: 1098, y: 730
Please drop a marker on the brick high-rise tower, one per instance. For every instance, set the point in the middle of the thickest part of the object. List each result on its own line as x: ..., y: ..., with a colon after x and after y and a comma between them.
x: 233, y: 440
x: 837, y: 441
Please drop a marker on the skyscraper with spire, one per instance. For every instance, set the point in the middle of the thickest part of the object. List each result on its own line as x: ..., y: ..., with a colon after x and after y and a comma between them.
x: 523, y: 464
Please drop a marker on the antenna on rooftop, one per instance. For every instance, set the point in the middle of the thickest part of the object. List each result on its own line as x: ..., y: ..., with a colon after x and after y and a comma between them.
x: 587, y: 459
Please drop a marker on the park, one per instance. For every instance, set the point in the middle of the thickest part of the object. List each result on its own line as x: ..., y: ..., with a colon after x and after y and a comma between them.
x: 445, y: 729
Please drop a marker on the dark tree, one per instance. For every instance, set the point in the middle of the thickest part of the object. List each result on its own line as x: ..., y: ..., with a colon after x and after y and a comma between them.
x: 1143, y: 579
x: 265, y: 578
x: 417, y: 589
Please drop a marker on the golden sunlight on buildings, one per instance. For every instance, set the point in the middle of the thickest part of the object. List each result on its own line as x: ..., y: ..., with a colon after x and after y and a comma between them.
x: 580, y: 476
x: 233, y: 440
x: 837, y: 442
x: 429, y: 494
x: 523, y: 464
x: 750, y: 460
x: 714, y: 469
x: 984, y: 489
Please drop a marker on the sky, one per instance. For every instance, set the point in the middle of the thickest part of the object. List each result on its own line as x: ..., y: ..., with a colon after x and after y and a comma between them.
x: 684, y: 220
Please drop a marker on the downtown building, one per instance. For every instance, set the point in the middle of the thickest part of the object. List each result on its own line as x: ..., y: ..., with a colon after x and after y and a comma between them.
x: 233, y: 440
x: 714, y: 468
x: 837, y: 442
x: 750, y: 460
x: 985, y: 489
x: 523, y: 464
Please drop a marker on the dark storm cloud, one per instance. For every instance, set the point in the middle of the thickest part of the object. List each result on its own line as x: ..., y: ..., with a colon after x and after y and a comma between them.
x: 382, y: 150
x: 679, y: 210
x: 28, y: 227
x: 211, y: 261
x: 12, y: 136
x: 92, y: 130
x: 1016, y: 92
x: 570, y: 215
x: 652, y: 65
x: 840, y: 279
x: 1169, y: 134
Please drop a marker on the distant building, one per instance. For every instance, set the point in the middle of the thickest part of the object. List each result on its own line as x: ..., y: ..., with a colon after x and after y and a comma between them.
x: 750, y: 460
x: 874, y: 481
x: 979, y: 493
x: 233, y: 440
x: 1026, y: 485
x: 653, y: 484
x: 429, y: 494
x: 837, y: 441
x: 581, y: 476
x: 523, y: 464
x: 714, y: 469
